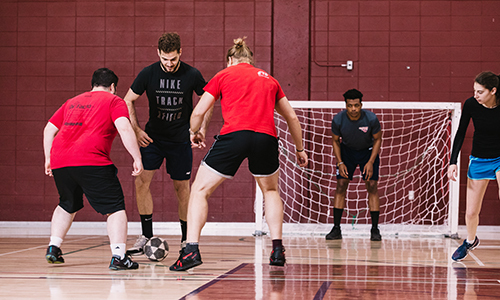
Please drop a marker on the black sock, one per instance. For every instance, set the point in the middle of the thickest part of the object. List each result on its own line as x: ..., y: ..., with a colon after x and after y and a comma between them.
x: 183, y: 230
x: 191, y: 247
x: 277, y: 244
x: 147, y: 225
x: 375, y: 215
x: 337, y: 216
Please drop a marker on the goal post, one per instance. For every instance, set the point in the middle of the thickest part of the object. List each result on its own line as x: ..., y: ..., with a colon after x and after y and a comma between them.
x: 416, y: 196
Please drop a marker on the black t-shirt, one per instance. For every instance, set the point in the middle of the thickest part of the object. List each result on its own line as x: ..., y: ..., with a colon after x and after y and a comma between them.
x: 170, y: 98
x: 486, y: 140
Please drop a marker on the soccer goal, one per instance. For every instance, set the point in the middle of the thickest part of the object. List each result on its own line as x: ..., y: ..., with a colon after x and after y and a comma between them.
x: 416, y: 196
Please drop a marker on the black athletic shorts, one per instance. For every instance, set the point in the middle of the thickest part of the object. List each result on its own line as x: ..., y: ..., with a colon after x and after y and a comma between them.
x: 353, y: 158
x: 100, y: 185
x: 178, y: 158
x: 229, y: 150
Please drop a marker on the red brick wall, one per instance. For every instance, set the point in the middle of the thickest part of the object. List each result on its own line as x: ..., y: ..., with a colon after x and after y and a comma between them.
x: 402, y: 50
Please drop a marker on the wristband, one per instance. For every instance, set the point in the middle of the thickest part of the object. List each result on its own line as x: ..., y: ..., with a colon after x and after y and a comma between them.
x: 299, y: 150
x: 340, y: 163
x: 193, y: 133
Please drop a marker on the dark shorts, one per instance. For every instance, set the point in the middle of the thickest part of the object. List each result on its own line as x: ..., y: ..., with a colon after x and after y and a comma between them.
x: 353, y: 158
x: 100, y: 185
x: 229, y: 150
x: 178, y: 158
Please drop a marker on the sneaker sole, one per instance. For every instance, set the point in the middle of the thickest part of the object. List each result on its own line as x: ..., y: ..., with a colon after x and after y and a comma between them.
x: 277, y: 264
x: 333, y: 238
x: 186, y: 268
x: 51, y: 259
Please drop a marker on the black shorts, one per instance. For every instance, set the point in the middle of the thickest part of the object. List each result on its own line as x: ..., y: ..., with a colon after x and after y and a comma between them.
x: 353, y: 158
x: 178, y: 158
x: 100, y: 185
x: 229, y: 150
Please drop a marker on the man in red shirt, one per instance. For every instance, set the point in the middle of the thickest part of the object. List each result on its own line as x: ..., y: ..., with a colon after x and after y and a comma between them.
x: 77, y: 142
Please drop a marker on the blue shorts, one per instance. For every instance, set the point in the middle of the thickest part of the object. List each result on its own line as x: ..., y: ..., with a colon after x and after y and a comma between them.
x: 229, y: 150
x: 483, y: 168
x: 178, y: 158
x: 100, y: 185
x: 352, y: 158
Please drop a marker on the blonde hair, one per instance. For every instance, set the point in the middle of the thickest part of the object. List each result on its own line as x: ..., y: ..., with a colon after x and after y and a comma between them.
x: 240, y: 51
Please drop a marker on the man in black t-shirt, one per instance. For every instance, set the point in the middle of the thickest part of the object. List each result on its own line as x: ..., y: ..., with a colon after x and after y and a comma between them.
x: 169, y: 85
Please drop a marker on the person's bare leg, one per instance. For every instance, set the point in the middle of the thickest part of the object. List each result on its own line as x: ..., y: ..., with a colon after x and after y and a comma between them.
x: 61, y: 222
x: 475, y: 193
x: 273, y: 204
x: 203, y: 186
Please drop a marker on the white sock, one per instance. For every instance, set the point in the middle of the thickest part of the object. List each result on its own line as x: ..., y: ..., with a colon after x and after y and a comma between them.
x: 470, y: 242
x: 118, y: 250
x: 55, y: 241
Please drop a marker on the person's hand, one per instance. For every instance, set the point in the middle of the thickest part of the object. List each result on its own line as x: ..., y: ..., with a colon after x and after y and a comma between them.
x: 48, y: 170
x: 197, y: 140
x: 138, y: 168
x: 143, y: 138
x: 452, y: 172
x: 368, y: 171
x: 301, y: 158
x: 343, y: 170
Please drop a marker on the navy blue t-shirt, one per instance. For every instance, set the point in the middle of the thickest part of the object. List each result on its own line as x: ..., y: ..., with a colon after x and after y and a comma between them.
x: 357, y: 135
x: 170, y: 98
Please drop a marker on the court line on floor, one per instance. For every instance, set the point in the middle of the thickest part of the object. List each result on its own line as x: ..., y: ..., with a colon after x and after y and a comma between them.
x: 214, y: 281
x: 46, y: 245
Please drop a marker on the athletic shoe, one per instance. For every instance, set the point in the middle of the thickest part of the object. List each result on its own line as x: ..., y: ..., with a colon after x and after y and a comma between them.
x: 54, y: 255
x: 122, y: 264
x: 375, y: 235
x: 138, y: 247
x: 335, y: 234
x: 277, y: 257
x: 464, y: 249
x: 187, y: 260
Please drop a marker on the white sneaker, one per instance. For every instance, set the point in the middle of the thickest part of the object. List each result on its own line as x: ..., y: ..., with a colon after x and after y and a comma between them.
x: 138, y: 248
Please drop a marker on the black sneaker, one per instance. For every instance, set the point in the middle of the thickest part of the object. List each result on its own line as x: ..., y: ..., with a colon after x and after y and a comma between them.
x: 122, y: 264
x: 54, y: 255
x: 375, y: 235
x: 187, y: 260
x: 335, y: 234
x: 464, y: 249
x: 138, y: 247
x: 277, y: 257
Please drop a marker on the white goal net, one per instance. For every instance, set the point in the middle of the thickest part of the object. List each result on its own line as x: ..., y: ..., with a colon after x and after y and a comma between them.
x: 416, y: 196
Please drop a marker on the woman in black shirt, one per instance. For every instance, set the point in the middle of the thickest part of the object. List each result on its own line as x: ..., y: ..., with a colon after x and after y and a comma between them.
x: 484, y: 161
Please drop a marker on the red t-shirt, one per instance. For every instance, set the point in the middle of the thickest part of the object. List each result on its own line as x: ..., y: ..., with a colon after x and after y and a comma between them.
x: 248, y: 98
x: 86, y: 129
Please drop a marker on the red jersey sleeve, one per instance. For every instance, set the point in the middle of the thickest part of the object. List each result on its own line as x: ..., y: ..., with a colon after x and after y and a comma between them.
x: 58, y: 117
x: 118, y: 109
x: 213, y: 87
x: 280, y: 94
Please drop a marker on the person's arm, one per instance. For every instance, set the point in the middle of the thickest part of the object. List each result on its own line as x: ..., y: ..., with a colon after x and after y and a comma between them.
x: 458, y: 141
x: 204, y: 126
x: 284, y: 108
x: 49, y: 134
x: 142, y: 137
x: 336, y: 151
x: 129, y: 140
x: 199, y: 117
x: 377, y: 142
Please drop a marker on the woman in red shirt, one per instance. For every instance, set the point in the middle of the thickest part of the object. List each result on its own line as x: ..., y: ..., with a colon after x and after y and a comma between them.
x: 248, y: 98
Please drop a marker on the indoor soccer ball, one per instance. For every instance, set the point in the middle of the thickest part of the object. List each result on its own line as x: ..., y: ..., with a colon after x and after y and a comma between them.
x: 156, y: 249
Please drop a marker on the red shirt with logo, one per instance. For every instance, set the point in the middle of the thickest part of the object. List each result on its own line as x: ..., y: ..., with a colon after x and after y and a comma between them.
x: 86, y: 129
x: 248, y: 97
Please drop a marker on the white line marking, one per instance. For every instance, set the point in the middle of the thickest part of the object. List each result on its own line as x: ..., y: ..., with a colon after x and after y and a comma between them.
x: 476, y: 259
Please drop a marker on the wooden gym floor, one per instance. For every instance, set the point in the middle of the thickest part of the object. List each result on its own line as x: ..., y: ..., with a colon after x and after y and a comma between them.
x: 237, y: 268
